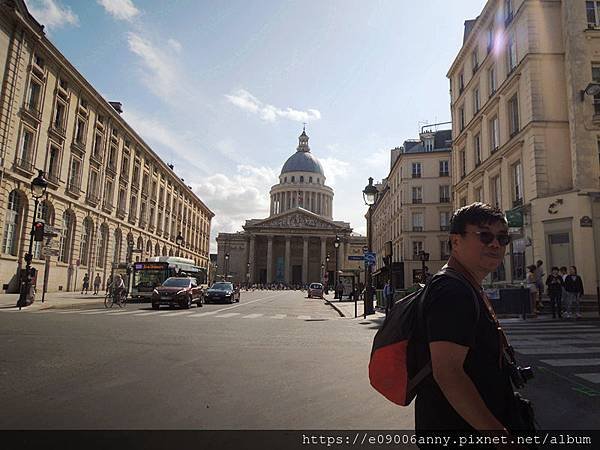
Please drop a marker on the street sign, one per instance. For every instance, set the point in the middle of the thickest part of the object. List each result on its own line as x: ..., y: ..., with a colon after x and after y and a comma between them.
x: 49, y: 230
x: 49, y: 252
x: 356, y: 258
x: 515, y: 217
x: 370, y: 258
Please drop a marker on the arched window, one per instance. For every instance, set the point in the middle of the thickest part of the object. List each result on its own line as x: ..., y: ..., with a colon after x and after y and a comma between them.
x: 149, y: 248
x: 45, y: 213
x: 86, y: 240
x: 11, y: 224
x: 301, y: 178
x: 66, y: 237
x: 157, y: 249
x: 102, y: 246
x: 293, y: 179
x: 164, y: 251
x: 117, y: 246
x: 310, y: 179
x: 171, y: 252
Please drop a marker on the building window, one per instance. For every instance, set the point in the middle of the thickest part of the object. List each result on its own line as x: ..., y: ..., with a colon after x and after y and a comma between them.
x: 593, y: 16
x: 417, y: 221
x: 492, y: 80
x: 417, y: 194
x: 444, y: 170
x: 86, y: 238
x: 66, y: 237
x: 33, y: 96
x: 476, y: 101
x: 477, y: 148
x: 508, y: 11
x: 310, y: 180
x: 462, y: 202
x: 461, y: 118
x: 125, y: 166
x: 112, y: 158
x: 496, y: 191
x: 477, y: 194
x: 11, y: 224
x: 117, y: 246
x: 26, y: 150
x: 102, y: 246
x: 416, y: 170
x: 132, y: 207
x: 596, y: 79
x: 445, y: 193
x: 97, y: 152
x: 80, y: 131
x: 444, y: 249
x: 293, y: 179
x: 474, y: 61
x: 511, y: 53
x: 444, y: 220
x: 108, y: 193
x: 494, y: 134
x: 59, y: 115
x: 517, y: 178
x: 461, y: 82
x: 513, y: 115
x: 490, y: 39
x: 463, y: 163
x: 75, y: 174
x: 54, y: 164
x: 93, y: 184
x: 429, y: 144
x: 301, y: 179
x: 122, y: 196
x: 417, y: 249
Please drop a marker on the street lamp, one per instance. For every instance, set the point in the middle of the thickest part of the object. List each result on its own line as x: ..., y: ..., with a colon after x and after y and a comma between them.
x: 327, y: 258
x: 226, y: 266
x: 370, y: 194
x: 179, y: 242
x: 38, y: 189
x: 336, y: 244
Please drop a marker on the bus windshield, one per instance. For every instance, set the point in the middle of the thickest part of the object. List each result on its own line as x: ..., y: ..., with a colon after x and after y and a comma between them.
x: 148, y: 278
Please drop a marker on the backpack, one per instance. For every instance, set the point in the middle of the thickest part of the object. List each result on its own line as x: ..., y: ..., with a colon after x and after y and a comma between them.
x: 393, y: 360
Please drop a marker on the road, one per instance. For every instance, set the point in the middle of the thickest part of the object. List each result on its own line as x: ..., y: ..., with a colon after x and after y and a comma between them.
x: 276, y: 360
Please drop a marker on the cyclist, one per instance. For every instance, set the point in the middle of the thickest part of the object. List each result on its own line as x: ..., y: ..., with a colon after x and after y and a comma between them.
x: 117, y: 287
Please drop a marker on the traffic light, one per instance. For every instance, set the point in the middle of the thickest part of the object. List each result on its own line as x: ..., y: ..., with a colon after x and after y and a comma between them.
x: 38, y: 231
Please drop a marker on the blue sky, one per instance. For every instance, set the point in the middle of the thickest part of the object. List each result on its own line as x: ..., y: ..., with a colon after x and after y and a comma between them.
x: 221, y: 88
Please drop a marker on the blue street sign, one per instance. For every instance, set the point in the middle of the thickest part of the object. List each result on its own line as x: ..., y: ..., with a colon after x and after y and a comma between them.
x: 370, y: 258
x: 356, y: 258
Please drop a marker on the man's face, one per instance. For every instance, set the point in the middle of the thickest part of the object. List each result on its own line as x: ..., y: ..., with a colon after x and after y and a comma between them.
x: 555, y: 272
x: 480, y: 256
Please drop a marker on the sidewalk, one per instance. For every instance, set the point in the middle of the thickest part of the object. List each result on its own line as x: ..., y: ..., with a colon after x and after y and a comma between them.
x: 54, y: 300
x: 348, y: 308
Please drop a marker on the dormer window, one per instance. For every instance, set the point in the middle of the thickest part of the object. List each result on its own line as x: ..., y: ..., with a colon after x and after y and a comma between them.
x: 293, y: 179
x: 310, y: 180
x: 285, y: 179
x: 429, y: 144
x: 301, y: 179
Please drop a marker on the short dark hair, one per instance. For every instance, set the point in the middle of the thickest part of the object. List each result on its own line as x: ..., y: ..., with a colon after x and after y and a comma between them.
x: 564, y: 268
x: 554, y: 268
x: 475, y: 214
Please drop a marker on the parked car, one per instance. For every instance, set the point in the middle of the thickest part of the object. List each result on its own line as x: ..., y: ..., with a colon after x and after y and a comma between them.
x: 315, y: 290
x: 222, y: 291
x: 180, y: 291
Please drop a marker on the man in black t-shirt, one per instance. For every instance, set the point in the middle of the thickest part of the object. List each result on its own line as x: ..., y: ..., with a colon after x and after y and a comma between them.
x: 469, y: 389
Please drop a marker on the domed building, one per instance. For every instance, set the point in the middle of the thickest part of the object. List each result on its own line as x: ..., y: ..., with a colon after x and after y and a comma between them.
x: 296, y: 244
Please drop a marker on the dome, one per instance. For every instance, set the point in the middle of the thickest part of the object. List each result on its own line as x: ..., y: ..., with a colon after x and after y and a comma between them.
x: 302, y: 162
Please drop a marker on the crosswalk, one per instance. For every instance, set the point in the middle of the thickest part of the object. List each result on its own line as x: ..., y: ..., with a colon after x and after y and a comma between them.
x: 193, y: 313
x: 573, y: 347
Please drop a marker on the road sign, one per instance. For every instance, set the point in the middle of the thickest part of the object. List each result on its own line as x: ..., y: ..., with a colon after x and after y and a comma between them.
x: 49, y: 230
x: 356, y: 258
x: 49, y: 252
x: 370, y: 258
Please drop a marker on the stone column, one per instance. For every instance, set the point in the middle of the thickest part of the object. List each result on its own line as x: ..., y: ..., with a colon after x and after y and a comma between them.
x: 251, y: 258
x: 323, y: 255
x: 272, y: 204
x: 269, y: 259
x: 305, y: 260
x: 288, y: 260
x: 342, y: 254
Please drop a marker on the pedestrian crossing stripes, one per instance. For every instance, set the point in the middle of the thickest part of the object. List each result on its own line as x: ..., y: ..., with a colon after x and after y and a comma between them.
x: 187, y: 314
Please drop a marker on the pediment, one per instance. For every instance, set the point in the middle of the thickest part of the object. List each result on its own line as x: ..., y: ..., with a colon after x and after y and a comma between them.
x: 298, y: 219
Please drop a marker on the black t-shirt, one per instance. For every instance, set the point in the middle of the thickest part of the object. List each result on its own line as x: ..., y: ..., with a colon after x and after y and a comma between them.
x: 450, y: 314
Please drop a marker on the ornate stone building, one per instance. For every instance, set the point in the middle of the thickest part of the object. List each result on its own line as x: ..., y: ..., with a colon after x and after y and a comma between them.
x: 106, y: 186
x: 291, y: 246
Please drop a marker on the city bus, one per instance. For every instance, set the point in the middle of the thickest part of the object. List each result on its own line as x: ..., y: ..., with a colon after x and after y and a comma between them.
x: 147, y: 275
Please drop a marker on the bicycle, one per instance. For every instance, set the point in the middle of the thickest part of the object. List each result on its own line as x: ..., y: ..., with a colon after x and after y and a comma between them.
x: 111, y: 298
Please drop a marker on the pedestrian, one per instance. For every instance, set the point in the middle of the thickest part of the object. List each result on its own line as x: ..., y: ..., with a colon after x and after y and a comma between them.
x: 564, y: 298
x: 427, y: 276
x: 97, y: 283
x: 86, y: 283
x: 339, y: 290
x: 574, y: 288
x: 533, y: 288
x: 469, y: 388
x: 109, y: 281
x: 539, y: 281
x: 555, y: 285
x: 388, y: 296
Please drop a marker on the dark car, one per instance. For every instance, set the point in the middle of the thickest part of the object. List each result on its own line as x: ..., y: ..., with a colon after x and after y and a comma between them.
x: 222, y: 291
x: 178, y: 291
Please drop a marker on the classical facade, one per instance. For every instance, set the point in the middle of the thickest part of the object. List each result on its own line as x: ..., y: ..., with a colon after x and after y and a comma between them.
x: 293, y: 244
x: 107, y: 189
x: 526, y: 134
x: 413, y: 208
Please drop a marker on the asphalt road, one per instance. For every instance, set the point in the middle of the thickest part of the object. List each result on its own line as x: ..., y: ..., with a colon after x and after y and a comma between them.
x: 276, y: 360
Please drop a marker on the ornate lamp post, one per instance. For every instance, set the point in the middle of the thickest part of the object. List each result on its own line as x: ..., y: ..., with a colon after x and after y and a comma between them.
x: 370, y: 194
x: 336, y: 244
x: 179, y: 242
x: 38, y: 189
x: 226, y: 266
x: 327, y: 258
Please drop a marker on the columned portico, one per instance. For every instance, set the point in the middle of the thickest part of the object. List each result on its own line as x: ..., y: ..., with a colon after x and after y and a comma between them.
x: 251, y: 257
x: 305, y: 260
x: 269, y: 259
x: 288, y: 258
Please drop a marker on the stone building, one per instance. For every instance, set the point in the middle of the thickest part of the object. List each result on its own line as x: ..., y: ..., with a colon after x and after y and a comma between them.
x: 291, y: 246
x: 106, y: 187
x: 413, y: 208
x: 526, y: 135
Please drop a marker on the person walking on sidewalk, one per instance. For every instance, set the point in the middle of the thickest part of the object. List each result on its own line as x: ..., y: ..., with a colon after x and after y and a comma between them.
x: 339, y: 290
x: 97, y: 283
x: 86, y: 283
x: 533, y: 288
x: 388, y: 296
x: 574, y: 288
x: 469, y: 388
x: 539, y: 281
x: 555, y: 286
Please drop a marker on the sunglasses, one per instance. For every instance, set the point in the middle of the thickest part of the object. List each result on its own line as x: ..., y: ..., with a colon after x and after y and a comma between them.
x: 487, y: 237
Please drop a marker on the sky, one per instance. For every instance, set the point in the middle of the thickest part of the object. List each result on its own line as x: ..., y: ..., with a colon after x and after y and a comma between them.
x: 221, y: 89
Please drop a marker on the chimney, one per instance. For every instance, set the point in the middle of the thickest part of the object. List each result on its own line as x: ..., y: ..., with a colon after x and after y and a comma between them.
x: 118, y: 106
x: 170, y: 166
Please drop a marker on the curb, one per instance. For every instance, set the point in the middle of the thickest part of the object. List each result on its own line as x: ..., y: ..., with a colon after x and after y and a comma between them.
x: 338, y: 310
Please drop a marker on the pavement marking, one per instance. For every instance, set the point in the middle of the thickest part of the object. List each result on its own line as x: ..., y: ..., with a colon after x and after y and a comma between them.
x: 193, y: 316
x: 179, y: 313
x: 252, y: 316
x: 592, y: 377
x: 572, y: 362
x: 43, y: 311
x: 279, y: 316
x: 304, y: 317
x: 124, y: 313
x: 148, y: 313
x: 228, y: 315
x: 71, y: 311
x: 248, y: 303
x: 89, y: 313
x: 557, y: 350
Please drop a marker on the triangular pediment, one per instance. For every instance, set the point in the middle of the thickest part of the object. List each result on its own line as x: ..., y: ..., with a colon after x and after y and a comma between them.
x: 297, y: 218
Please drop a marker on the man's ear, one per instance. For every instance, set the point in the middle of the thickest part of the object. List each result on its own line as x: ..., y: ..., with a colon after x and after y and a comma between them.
x: 454, y: 240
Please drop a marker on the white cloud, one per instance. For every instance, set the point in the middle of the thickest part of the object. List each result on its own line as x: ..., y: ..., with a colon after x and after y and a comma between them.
x: 269, y: 113
x: 175, y: 44
x: 161, y: 71
x: 52, y: 14
x: 120, y: 9
x: 334, y: 168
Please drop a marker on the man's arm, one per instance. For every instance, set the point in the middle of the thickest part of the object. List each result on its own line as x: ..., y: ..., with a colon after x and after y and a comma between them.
x: 447, y: 359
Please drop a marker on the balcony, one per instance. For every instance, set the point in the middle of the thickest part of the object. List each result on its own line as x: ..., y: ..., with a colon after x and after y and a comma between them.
x: 135, y: 187
x: 417, y: 201
x: 111, y: 169
x: 25, y: 165
x: 517, y: 202
x: 74, y: 188
x: 78, y: 146
x: 32, y: 111
x: 444, y: 199
x: 96, y: 157
x: 53, y: 179
x: 121, y: 213
x: 416, y: 228
x: 59, y: 129
x: 444, y: 227
x: 132, y: 216
x: 144, y: 193
x: 107, y: 207
x: 416, y: 175
x: 92, y: 198
x: 444, y: 174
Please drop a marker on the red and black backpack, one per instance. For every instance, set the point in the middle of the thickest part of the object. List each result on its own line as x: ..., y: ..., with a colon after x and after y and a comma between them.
x: 393, y: 370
